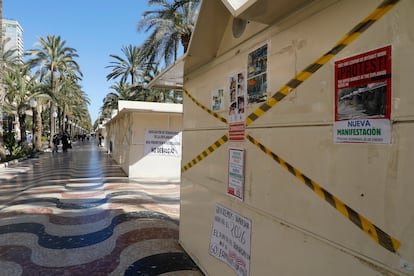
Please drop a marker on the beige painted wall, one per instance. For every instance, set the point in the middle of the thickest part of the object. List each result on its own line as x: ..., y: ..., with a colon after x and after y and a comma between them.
x: 118, y: 132
x: 127, y: 132
x: 294, y: 232
x: 153, y: 167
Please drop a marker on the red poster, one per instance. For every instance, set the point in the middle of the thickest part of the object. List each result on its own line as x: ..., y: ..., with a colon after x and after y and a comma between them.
x: 363, y: 98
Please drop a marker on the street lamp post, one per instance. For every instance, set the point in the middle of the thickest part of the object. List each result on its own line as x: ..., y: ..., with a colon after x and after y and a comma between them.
x: 65, y: 125
x: 54, y: 121
x: 70, y: 129
x: 33, y: 105
x: 54, y: 118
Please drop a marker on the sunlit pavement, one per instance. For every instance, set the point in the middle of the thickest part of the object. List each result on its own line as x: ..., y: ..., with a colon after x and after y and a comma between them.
x: 76, y: 213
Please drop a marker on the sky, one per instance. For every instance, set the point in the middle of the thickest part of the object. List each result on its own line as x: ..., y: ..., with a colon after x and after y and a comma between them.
x: 95, y: 28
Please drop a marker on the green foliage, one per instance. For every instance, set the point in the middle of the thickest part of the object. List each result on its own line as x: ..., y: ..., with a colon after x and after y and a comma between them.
x: 11, y: 145
x: 169, y: 23
x: 14, y: 150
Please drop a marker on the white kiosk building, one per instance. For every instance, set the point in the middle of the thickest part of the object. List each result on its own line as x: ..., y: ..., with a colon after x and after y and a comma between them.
x: 145, y: 139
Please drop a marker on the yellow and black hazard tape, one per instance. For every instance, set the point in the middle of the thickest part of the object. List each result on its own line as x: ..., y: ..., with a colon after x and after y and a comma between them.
x: 221, y: 141
x: 364, y: 224
x: 362, y: 26
x: 220, y: 118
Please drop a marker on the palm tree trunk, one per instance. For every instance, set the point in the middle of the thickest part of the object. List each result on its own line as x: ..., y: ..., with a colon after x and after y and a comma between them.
x: 52, y: 124
x: 60, y: 120
x: 64, y: 120
x: 185, y: 41
x: 175, y: 49
x: 38, y: 128
x: 22, y: 122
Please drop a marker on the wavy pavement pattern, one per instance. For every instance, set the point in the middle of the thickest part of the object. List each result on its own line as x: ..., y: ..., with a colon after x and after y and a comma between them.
x: 85, y: 189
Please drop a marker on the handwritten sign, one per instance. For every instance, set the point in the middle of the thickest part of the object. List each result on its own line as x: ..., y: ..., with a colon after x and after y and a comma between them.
x: 230, y: 239
x: 162, y: 142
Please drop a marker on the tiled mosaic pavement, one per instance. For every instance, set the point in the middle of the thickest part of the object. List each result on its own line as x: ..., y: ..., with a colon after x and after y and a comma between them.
x: 76, y: 213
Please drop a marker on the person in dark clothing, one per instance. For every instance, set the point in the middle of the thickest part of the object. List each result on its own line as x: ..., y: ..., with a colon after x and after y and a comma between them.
x: 100, y: 138
x: 56, y: 141
x: 66, y: 142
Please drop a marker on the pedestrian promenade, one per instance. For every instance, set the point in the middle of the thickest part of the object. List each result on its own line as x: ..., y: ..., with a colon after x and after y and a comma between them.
x: 77, y: 213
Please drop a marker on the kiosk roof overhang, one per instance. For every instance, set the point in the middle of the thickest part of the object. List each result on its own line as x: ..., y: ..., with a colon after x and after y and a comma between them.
x: 125, y: 107
x: 171, y: 77
x: 145, y: 107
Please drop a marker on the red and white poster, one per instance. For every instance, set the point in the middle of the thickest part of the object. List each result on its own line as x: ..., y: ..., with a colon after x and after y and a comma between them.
x: 363, y: 98
x: 237, y: 110
x: 235, y: 185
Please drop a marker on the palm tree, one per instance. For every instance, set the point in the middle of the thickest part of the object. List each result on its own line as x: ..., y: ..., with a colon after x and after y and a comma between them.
x: 121, y: 91
x: 80, y: 113
x: 41, y: 101
x: 54, y: 61
x: 2, y: 92
x: 70, y: 98
x: 21, y: 87
x: 124, y: 91
x: 128, y: 67
x: 171, y: 24
x: 10, y: 58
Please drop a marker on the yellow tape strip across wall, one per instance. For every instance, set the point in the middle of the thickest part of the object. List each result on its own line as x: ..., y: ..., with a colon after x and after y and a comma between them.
x: 221, y: 141
x: 364, y: 224
x: 382, y: 9
x: 220, y: 118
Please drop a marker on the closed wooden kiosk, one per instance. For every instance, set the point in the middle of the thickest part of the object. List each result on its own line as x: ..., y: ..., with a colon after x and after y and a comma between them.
x: 310, y: 172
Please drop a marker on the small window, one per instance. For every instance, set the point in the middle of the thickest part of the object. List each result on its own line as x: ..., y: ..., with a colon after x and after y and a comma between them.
x: 236, y: 7
x: 236, y: 4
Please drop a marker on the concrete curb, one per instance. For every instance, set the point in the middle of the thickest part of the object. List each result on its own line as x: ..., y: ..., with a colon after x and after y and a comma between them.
x: 12, y: 162
x: 18, y: 160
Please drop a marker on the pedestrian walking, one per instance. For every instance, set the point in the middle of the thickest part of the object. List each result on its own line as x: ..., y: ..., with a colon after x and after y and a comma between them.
x: 100, y: 139
x: 55, y: 141
x: 66, y: 143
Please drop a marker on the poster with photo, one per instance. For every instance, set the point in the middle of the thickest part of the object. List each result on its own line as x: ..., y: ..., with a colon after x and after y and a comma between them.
x: 257, y: 75
x: 237, y: 101
x: 363, y: 98
x: 217, y: 100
